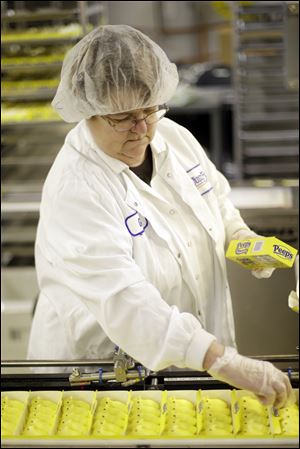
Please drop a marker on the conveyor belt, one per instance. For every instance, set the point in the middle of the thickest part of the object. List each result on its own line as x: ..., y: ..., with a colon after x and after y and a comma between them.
x: 173, y: 383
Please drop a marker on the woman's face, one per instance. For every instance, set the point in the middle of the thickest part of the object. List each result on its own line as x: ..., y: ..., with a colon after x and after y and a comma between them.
x: 127, y: 146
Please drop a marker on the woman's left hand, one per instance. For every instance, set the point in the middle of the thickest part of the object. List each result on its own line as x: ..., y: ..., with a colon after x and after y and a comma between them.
x: 262, y: 273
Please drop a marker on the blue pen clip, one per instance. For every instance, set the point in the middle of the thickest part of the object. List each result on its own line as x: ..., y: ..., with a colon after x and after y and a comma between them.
x: 289, y: 373
x: 139, y: 368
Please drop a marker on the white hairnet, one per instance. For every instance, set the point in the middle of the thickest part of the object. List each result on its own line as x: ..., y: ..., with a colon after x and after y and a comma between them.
x: 114, y: 68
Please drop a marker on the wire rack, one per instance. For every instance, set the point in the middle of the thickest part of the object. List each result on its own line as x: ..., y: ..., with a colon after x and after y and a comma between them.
x: 266, y: 111
x: 34, y: 40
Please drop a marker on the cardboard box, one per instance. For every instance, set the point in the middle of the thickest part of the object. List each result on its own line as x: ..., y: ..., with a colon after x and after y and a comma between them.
x: 261, y: 252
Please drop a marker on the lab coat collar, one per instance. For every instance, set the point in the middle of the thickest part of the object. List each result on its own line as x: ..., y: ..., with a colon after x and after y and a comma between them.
x: 114, y: 164
x: 158, y: 144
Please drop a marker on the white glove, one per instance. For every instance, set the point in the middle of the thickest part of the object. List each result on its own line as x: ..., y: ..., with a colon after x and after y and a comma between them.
x: 262, y: 273
x: 270, y: 385
x: 244, y: 234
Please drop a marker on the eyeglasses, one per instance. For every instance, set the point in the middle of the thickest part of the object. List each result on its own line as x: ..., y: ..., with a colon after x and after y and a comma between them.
x: 129, y: 122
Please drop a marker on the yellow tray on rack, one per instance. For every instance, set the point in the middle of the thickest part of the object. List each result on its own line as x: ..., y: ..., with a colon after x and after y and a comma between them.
x: 29, y: 112
x: 72, y: 30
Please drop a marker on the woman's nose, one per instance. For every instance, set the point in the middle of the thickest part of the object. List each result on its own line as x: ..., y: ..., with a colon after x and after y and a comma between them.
x: 140, y: 127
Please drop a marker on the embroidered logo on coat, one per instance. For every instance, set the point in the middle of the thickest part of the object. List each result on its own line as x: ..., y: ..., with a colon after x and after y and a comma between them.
x: 136, y: 224
x: 199, y: 178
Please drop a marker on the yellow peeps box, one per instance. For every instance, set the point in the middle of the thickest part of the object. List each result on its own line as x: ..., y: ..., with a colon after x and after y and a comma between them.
x: 261, y: 252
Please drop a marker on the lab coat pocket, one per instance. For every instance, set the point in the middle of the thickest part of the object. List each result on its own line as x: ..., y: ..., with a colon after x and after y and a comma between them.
x: 135, y: 220
x: 136, y: 224
x: 151, y: 246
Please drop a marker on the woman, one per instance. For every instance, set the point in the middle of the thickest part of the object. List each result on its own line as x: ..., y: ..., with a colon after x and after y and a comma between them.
x: 133, y: 224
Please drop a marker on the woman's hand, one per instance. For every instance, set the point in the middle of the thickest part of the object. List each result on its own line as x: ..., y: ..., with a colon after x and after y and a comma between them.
x: 270, y: 385
x: 245, y: 234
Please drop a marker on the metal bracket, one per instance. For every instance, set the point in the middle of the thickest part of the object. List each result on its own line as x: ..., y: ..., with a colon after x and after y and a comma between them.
x: 123, y: 372
x: 122, y: 362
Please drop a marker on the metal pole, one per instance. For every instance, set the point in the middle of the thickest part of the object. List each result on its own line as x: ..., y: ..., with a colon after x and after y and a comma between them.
x: 83, y: 16
x: 29, y: 363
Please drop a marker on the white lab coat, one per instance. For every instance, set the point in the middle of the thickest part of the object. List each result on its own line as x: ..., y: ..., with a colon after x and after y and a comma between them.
x: 122, y: 263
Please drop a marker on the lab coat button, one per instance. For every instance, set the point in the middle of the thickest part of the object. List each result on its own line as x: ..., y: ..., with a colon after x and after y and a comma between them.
x: 189, y: 243
x: 136, y: 204
x: 197, y: 277
x: 199, y: 313
x: 172, y: 211
x: 179, y: 255
x: 169, y: 175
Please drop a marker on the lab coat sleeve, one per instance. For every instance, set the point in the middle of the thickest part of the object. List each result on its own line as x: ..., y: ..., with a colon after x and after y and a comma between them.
x: 91, y: 253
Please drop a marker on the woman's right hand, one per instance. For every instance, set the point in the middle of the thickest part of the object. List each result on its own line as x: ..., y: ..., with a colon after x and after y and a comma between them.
x: 269, y: 384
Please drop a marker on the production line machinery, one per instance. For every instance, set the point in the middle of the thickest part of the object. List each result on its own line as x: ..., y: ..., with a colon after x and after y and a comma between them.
x: 112, y: 379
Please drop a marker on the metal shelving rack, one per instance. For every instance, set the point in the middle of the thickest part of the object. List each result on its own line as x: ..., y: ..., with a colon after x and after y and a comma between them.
x: 28, y: 147
x: 266, y: 109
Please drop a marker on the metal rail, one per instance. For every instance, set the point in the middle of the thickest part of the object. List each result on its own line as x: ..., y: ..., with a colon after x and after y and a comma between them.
x: 98, y: 362
x: 45, y: 363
